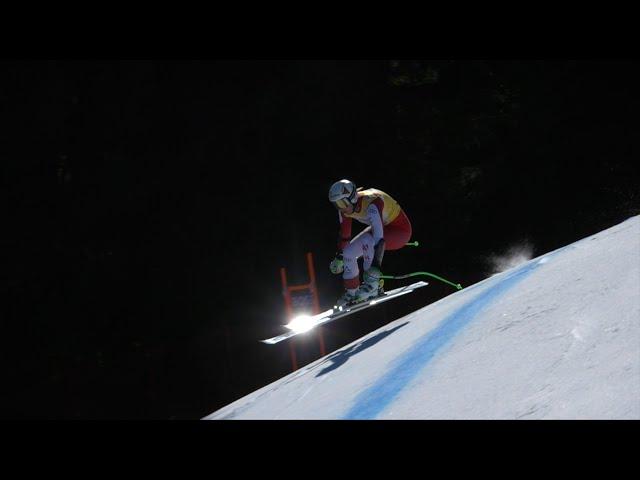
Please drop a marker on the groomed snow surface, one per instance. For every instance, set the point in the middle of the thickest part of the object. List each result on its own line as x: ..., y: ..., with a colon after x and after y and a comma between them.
x: 557, y: 337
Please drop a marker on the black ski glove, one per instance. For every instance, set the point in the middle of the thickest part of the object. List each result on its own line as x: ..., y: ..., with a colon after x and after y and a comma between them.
x: 378, y: 253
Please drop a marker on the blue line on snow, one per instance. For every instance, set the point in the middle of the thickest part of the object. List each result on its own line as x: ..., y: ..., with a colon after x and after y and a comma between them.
x: 377, y: 397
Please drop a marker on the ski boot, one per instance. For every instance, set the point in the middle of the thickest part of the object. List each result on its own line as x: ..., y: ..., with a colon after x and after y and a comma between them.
x: 372, y: 285
x: 349, y: 297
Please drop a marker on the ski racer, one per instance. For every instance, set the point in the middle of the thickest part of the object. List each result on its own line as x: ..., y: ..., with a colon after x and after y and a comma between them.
x: 388, y: 228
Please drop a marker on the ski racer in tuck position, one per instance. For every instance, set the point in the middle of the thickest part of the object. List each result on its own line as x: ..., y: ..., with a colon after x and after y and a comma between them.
x: 388, y: 228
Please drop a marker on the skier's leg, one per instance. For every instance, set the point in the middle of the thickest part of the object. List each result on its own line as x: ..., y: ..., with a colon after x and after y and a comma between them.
x: 364, y: 246
x: 397, y: 233
x: 361, y: 245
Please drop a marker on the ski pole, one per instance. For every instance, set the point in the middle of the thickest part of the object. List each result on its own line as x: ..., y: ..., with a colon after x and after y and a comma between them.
x: 415, y: 274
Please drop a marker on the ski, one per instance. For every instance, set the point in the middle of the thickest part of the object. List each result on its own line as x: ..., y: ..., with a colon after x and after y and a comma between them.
x: 335, y: 313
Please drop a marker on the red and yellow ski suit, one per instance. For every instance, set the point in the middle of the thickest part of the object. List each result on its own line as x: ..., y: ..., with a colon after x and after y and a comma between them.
x: 384, y: 218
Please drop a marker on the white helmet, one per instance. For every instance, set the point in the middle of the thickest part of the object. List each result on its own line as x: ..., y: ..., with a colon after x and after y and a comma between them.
x: 343, y: 193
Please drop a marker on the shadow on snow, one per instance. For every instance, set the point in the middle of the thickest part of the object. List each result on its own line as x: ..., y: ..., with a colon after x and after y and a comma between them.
x: 338, y: 359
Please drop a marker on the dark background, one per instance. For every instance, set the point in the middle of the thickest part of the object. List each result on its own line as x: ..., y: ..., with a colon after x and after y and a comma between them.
x: 150, y: 205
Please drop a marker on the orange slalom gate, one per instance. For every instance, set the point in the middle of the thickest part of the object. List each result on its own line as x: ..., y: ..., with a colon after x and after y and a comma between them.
x: 290, y: 303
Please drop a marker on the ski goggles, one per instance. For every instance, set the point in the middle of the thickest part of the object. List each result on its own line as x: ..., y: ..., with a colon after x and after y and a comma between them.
x: 342, y: 203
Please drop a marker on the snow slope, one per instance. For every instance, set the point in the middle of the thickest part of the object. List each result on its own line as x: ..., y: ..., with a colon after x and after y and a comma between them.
x: 557, y: 337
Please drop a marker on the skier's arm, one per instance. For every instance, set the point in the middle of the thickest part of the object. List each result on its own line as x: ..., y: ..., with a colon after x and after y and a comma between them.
x: 374, y: 214
x: 344, y: 234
